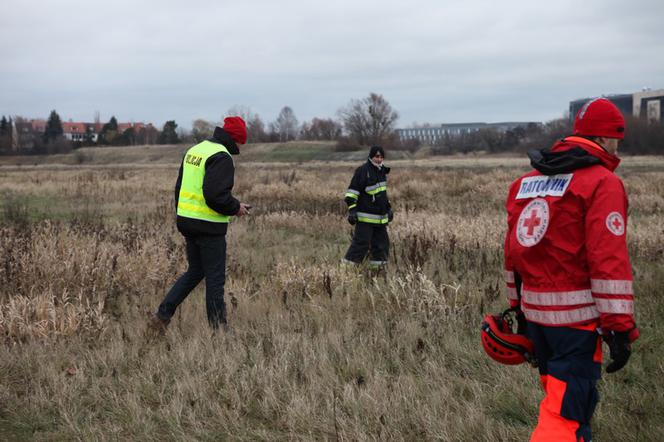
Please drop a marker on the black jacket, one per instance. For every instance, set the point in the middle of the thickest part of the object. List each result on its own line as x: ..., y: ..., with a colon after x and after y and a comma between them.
x: 365, y: 176
x: 217, y: 189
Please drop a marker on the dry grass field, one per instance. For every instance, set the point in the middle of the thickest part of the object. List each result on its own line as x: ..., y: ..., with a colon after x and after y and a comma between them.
x: 317, y: 351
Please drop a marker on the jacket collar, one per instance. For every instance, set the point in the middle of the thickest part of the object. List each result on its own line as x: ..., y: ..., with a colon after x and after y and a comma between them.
x: 382, y: 167
x: 608, y: 160
x: 377, y: 166
x: 220, y: 136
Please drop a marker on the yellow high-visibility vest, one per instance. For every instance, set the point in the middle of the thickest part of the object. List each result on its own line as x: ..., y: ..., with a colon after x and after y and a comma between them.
x: 191, y: 202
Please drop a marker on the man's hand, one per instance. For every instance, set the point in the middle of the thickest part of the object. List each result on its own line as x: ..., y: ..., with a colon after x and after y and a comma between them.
x: 244, y: 210
x: 352, y: 217
x: 390, y: 215
x: 620, y: 349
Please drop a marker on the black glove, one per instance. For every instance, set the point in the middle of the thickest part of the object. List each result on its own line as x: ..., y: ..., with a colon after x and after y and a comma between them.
x: 619, y: 348
x: 521, y: 323
x: 390, y: 215
x: 352, y: 217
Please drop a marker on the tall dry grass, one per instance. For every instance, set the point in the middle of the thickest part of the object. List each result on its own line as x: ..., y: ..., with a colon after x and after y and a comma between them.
x: 317, y: 351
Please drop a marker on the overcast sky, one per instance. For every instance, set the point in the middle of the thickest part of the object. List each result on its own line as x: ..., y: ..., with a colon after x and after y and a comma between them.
x: 435, y: 61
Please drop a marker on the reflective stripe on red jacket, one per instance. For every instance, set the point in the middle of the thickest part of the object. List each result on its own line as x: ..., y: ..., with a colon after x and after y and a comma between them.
x: 566, y: 239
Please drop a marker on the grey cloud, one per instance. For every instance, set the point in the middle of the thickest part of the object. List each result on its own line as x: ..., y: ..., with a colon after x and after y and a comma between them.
x: 435, y: 61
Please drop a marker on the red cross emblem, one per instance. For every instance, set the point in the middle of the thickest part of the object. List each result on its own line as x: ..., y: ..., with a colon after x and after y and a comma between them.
x: 533, y: 222
x: 615, y: 223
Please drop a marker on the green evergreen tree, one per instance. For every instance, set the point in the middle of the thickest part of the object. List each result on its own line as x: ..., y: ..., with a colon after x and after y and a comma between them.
x: 53, y: 128
x: 128, y: 137
x: 109, y: 132
x: 112, y: 123
x: 5, y: 135
x: 168, y: 134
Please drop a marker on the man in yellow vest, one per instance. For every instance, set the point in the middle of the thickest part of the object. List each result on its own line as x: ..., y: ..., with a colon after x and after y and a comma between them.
x: 205, y: 205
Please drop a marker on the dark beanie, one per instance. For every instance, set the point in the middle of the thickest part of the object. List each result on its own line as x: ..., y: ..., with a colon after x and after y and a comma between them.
x: 376, y: 149
x: 236, y: 129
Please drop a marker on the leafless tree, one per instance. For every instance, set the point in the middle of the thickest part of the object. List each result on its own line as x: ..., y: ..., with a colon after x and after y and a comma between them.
x: 370, y: 120
x: 240, y: 110
x: 286, y: 124
x: 255, y: 126
x: 256, y: 130
x: 147, y: 135
x: 201, y: 130
x: 320, y: 129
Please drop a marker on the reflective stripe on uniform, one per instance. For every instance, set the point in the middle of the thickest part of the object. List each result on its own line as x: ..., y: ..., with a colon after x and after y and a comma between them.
x: 372, y: 218
x: 187, y: 207
x: 511, y: 293
x: 574, y: 297
x: 377, y: 263
x: 619, y: 306
x: 509, y: 277
x: 611, y: 286
x: 376, y: 188
x: 191, y: 196
x: 352, y: 206
x: 561, y: 317
x: 350, y: 193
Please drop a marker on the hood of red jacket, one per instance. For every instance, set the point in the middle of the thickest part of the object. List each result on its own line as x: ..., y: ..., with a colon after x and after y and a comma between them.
x: 570, y: 154
x: 608, y: 160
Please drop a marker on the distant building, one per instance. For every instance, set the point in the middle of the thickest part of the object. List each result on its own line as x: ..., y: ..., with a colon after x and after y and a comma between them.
x: 74, y: 131
x: 80, y: 131
x: 647, y: 104
x: 143, y: 133
x: 28, y: 133
x: 38, y: 126
x: 136, y: 126
x: 435, y: 133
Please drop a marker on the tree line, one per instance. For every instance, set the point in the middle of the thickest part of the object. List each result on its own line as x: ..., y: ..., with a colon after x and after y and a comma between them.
x: 18, y: 136
x: 362, y: 122
x: 642, y: 137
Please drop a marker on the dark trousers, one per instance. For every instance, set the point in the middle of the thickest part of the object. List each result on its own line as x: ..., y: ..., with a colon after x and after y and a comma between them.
x: 570, y: 366
x: 369, y: 238
x: 206, y: 256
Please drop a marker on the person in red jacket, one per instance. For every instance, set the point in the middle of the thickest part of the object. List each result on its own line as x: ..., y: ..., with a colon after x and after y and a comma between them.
x: 567, y: 267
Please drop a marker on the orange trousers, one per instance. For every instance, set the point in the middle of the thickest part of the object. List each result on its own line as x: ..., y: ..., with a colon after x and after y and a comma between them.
x: 570, y: 365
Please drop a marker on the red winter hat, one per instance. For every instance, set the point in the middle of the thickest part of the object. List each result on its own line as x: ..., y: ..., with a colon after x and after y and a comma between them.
x: 600, y: 118
x: 236, y: 128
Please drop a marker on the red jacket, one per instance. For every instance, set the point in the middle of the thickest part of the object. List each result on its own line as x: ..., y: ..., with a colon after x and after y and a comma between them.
x: 567, y: 222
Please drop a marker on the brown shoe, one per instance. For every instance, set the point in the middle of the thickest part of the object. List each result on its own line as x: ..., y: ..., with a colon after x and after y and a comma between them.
x: 156, y: 324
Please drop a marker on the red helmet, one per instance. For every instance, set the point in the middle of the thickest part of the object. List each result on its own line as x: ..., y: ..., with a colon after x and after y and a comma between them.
x: 502, y: 344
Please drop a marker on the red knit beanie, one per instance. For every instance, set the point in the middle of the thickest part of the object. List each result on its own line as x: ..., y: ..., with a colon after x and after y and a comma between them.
x: 600, y: 118
x: 236, y: 128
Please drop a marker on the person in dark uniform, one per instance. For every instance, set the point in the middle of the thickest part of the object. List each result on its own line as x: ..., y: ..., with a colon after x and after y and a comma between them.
x: 369, y: 210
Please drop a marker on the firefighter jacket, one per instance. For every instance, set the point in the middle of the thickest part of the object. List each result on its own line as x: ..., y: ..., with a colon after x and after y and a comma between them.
x: 204, y: 203
x: 567, y: 222
x: 367, y: 194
